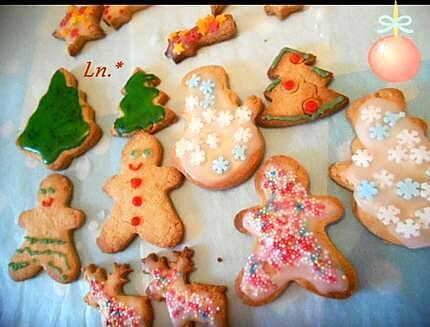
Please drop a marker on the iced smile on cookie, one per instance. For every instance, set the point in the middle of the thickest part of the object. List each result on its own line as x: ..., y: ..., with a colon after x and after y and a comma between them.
x: 46, y: 196
x: 135, y: 154
x: 47, y: 202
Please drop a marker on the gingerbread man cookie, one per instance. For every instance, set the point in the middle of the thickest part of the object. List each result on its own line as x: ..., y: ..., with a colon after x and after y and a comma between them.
x: 282, y: 11
x: 118, y: 15
x: 221, y: 146
x: 80, y: 25
x: 298, y: 92
x: 49, y: 244
x: 141, y: 202
x: 187, y: 302
x: 107, y: 295
x: 292, y: 244
x: 389, y: 171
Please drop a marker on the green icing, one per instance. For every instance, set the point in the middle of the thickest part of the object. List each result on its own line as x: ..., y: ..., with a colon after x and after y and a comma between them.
x: 273, y: 84
x: 58, y: 269
x: 321, y: 72
x: 316, y: 114
x: 44, y: 252
x: 57, y: 124
x: 15, y: 266
x: 137, y: 106
x: 33, y: 240
x: 283, y: 51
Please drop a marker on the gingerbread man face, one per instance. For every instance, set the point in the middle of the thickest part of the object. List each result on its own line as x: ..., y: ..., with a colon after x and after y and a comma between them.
x: 142, y: 151
x: 54, y: 190
x: 292, y: 244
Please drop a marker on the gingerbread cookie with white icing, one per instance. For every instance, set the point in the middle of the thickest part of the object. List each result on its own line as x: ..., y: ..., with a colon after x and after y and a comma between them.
x: 49, y: 243
x: 282, y: 11
x: 80, y: 25
x: 186, y: 302
x: 292, y: 244
x: 118, y: 15
x: 221, y: 146
x: 107, y: 295
x: 389, y: 171
x: 141, y: 202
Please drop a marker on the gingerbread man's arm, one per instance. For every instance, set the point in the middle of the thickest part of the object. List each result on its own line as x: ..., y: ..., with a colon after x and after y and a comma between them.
x: 170, y: 178
x: 333, y: 209
x: 239, y: 220
x: 72, y: 219
x: 24, y: 218
x: 112, y: 185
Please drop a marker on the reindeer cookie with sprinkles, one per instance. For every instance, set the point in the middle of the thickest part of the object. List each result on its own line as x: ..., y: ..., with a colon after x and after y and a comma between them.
x: 106, y: 294
x: 141, y: 202
x: 292, y: 244
x: 221, y: 146
x: 49, y: 243
x: 389, y: 171
x: 187, y: 302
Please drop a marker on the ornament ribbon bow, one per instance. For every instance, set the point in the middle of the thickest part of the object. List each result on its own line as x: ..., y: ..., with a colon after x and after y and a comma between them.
x: 390, y: 23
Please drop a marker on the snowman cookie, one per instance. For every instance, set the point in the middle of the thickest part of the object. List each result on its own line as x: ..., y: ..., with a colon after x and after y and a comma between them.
x: 221, y: 146
x: 141, y: 202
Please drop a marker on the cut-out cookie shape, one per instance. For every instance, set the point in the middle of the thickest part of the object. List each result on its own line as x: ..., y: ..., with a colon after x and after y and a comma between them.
x: 221, y: 146
x: 389, y: 171
x: 217, y: 9
x: 187, y: 302
x: 141, y: 202
x: 118, y: 15
x: 63, y: 125
x: 107, y: 295
x: 208, y: 30
x: 292, y: 244
x: 142, y: 107
x: 49, y: 243
x: 298, y: 92
x: 80, y: 25
x: 282, y: 11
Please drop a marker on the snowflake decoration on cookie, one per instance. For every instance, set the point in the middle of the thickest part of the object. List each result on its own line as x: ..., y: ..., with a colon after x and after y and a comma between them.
x: 362, y: 158
x: 408, y: 188
x: 388, y: 214
x: 195, y: 125
x: 425, y: 191
x: 379, y: 132
x: 209, y: 116
x: 383, y: 178
x: 208, y: 101
x: 391, y: 118
x: 181, y: 147
x: 220, y: 165
x: 371, y: 114
x: 397, y: 154
x: 408, y: 228
x: 198, y: 156
x: 423, y: 217
x: 419, y: 154
x: 207, y: 86
x: 194, y: 81
x: 367, y: 190
x: 212, y: 141
x: 224, y: 118
x: 242, y: 134
x: 191, y: 102
x: 408, y: 138
x: 239, y: 152
x: 243, y: 115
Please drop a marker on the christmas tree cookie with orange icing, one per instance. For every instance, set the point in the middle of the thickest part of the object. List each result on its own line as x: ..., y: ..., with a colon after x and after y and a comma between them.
x: 208, y: 30
x: 118, y: 15
x: 298, y: 92
x: 292, y: 244
x: 389, y: 171
x: 80, y: 25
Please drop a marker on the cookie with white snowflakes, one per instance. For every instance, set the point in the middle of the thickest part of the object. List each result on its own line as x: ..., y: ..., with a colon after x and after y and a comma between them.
x: 221, y: 146
x: 389, y: 171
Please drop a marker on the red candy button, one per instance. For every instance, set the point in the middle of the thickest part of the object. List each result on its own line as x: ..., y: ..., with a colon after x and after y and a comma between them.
x: 135, y: 182
x: 295, y: 58
x: 310, y: 106
x: 137, y: 201
x: 135, y: 221
x: 289, y: 85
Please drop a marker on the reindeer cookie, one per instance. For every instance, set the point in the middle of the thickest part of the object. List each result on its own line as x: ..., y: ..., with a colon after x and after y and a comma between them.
x: 389, y: 171
x: 141, y: 202
x: 221, y: 146
x: 49, y: 243
x: 292, y: 244
x: 106, y: 294
x: 187, y: 302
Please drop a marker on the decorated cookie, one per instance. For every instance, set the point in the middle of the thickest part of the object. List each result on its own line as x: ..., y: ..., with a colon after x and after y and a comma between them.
x: 282, y: 11
x: 389, y: 171
x: 142, y: 106
x: 187, y: 302
x: 118, y: 15
x: 292, y: 244
x: 217, y: 9
x: 106, y: 294
x: 80, y: 25
x: 298, y: 92
x: 49, y: 243
x: 208, y: 30
x: 63, y: 125
x: 221, y: 146
x: 141, y: 202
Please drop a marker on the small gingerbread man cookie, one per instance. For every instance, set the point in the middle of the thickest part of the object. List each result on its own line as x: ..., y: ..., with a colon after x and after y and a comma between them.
x: 141, y: 202
x: 282, y: 11
x: 49, y: 244
x: 292, y: 244
x: 118, y: 15
x: 221, y: 146
x: 80, y: 25
x: 107, y: 295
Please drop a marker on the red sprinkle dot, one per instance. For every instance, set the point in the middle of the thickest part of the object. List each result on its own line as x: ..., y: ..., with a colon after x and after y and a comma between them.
x: 135, y: 221
x: 310, y: 106
x: 135, y: 182
x: 289, y: 85
x: 295, y: 58
x: 137, y: 201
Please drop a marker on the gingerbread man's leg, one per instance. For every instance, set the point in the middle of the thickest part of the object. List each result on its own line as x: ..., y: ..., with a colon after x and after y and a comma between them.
x: 22, y: 266
x: 115, y: 235
x: 64, y: 265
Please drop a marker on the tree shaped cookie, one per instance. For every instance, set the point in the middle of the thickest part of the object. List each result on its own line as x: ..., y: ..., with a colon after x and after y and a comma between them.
x: 221, y: 146
x: 389, y: 171
x: 282, y: 11
x: 107, y: 295
x: 63, y: 125
x: 80, y: 25
x: 292, y: 244
x: 298, y: 92
x: 187, y: 302
x: 49, y: 244
x: 208, y: 30
x: 142, y: 106
x: 141, y: 202
x: 118, y: 15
